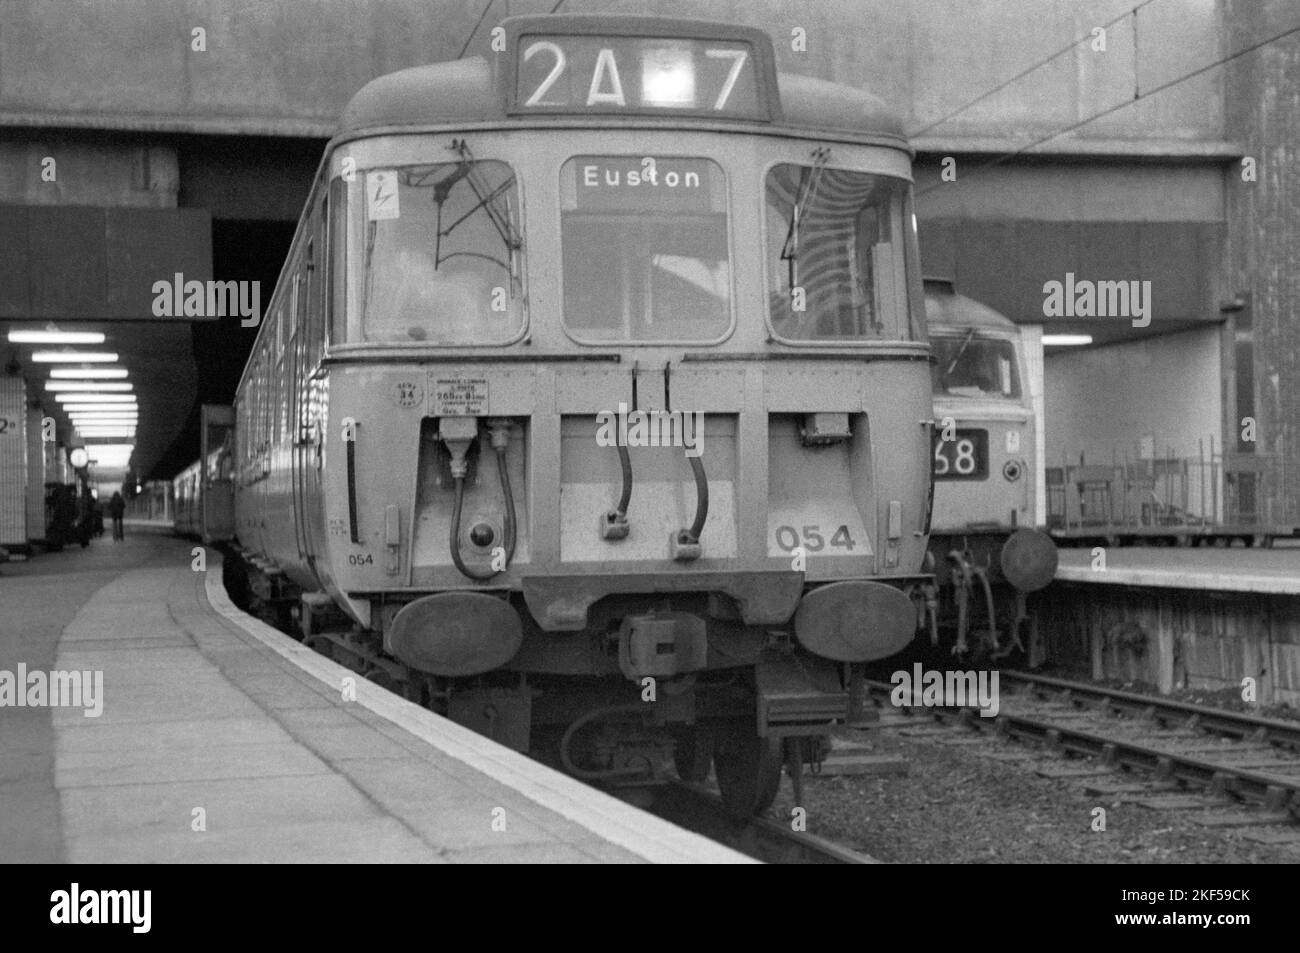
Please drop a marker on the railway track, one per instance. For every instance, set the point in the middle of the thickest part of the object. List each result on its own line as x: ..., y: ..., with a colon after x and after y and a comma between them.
x: 1183, y: 747
x: 698, y: 809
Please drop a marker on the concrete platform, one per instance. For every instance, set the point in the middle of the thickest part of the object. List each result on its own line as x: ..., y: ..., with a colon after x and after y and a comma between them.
x: 223, y: 740
x: 1273, y: 571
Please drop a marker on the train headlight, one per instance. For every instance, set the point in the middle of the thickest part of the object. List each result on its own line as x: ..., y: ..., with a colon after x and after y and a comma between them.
x: 1012, y: 470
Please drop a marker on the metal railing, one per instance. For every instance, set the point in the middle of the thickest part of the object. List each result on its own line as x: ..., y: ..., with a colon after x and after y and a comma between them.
x: 1212, y: 492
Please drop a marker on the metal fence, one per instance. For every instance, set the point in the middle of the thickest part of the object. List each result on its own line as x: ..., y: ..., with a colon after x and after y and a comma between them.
x: 1213, y: 492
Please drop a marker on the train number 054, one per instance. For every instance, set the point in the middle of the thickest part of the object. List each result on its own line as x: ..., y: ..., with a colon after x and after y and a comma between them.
x: 812, y: 540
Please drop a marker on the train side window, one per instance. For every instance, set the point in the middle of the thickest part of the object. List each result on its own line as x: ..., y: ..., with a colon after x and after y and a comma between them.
x: 338, y: 307
x: 309, y: 310
x: 836, y: 262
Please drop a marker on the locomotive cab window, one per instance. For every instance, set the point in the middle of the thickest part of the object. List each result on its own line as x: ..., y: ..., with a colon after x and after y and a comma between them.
x: 438, y: 254
x: 973, y: 365
x: 836, y: 247
x: 645, y: 248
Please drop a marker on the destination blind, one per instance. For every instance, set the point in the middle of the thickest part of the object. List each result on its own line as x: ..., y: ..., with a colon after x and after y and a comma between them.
x: 641, y: 75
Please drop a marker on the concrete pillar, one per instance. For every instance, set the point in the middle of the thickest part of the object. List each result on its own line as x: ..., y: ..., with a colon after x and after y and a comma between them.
x: 1262, y: 110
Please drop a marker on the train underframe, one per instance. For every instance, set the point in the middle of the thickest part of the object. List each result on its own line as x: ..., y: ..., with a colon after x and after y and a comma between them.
x: 976, y: 603
x: 656, y: 686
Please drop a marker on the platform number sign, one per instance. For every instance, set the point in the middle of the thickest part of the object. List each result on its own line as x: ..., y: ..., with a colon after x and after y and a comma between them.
x: 585, y: 74
x: 964, y: 457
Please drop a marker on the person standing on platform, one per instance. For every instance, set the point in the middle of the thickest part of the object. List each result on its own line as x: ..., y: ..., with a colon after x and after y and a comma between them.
x: 117, y: 507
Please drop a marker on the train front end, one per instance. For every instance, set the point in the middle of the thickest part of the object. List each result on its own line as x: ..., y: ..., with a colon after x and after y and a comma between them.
x: 622, y: 436
x: 985, y: 550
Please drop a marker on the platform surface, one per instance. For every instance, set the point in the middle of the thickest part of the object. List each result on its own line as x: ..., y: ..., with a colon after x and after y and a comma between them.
x: 1274, y: 571
x: 222, y: 740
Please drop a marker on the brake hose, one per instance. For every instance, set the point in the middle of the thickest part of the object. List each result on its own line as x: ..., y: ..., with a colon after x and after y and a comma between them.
x: 692, y: 535
x: 625, y: 462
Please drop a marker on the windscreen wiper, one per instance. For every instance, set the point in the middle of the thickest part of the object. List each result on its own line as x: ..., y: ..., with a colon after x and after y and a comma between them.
x: 808, y: 182
x: 488, y: 200
x: 970, y: 336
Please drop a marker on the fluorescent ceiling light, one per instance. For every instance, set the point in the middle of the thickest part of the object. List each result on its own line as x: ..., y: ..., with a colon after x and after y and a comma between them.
x: 110, y: 451
x: 1066, y: 340
x: 124, y: 413
x: 56, y: 337
x: 95, y: 398
x: 88, y: 373
x: 98, y: 386
x: 74, y: 357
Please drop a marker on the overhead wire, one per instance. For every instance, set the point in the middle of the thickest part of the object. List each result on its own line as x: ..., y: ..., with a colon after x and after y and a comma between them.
x: 478, y: 23
x: 1027, y: 70
x: 1137, y: 96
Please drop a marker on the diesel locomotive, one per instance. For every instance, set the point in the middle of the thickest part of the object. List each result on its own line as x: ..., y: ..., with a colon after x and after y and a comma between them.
x: 985, y: 552
x: 592, y: 407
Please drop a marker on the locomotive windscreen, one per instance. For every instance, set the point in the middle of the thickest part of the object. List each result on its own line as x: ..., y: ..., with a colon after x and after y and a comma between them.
x: 835, y: 240
x: 974, y: 366
x: 442, y: 255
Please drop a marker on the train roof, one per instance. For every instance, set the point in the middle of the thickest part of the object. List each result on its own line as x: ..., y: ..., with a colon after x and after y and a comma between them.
x: 945, y: 308
x: 470, y: 90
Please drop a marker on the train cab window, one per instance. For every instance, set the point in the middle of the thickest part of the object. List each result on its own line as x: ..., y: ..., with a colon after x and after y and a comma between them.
x: 972, y: 365
x: 439, y: 254
x: 837, y: 255
x: 645, y: 248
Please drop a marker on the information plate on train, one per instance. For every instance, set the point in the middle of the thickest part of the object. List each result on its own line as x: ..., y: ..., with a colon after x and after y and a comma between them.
x: 655, y: 75
x: 965, y: 457
x: 458, y: 396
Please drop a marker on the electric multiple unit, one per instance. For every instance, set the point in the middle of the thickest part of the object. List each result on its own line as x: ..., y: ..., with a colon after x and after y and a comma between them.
x: 592, y: 407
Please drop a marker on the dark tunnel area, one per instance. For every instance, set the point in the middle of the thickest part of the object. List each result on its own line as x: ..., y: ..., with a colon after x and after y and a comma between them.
x: 242, y: 250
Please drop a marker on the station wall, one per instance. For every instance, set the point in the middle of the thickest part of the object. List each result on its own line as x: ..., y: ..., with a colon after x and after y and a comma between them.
x: 1102, y: 402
